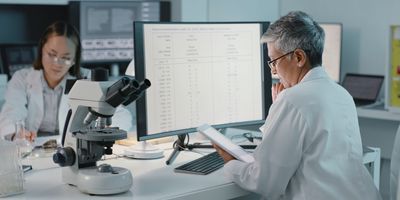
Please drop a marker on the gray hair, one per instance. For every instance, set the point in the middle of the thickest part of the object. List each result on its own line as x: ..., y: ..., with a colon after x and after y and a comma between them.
x: 297, y: 30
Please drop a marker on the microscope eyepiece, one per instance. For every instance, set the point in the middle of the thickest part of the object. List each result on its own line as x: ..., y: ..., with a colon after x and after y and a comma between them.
x: 121, y: 90
x: 125, y: 91
x: 138, y: 93
x: 131, y: 87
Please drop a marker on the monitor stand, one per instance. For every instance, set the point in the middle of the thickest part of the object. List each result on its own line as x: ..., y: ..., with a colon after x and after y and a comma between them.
x: 180, y: 145
x: 144, y: 150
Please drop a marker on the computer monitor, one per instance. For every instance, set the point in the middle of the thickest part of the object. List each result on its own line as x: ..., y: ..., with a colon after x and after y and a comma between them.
x: 17, y: 56
x: 332, y: 49
x: 200, y: 73
x: 364, y: 88
x: 106, y: 26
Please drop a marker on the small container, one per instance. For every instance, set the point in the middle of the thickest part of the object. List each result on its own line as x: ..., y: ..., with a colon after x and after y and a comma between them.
x: 11, y: 173
x: 24, y: 145
x: 115, y: 70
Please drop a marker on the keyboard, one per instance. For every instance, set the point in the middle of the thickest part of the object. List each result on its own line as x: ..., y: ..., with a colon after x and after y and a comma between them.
x: 203, y: 165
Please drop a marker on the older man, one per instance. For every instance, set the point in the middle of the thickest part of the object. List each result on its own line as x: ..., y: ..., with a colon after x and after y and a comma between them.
x: 311, y: 147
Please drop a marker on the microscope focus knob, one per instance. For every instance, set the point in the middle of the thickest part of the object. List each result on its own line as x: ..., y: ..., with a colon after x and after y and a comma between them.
x: 108, y: 151
x: 105, y: 168
x: 64, y: 156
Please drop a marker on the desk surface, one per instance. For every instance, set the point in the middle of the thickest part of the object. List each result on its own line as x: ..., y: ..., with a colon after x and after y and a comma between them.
x: 377, y: 112
x: 152, y: 179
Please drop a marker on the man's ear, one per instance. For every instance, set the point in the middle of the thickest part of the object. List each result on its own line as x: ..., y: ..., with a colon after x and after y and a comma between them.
x: 300, y: 57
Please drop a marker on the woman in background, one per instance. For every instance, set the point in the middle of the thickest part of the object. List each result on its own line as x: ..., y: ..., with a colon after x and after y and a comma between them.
x: 36, y: 95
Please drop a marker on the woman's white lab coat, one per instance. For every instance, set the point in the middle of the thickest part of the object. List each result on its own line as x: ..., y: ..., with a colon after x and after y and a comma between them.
x: 311, y: 148
x: 24, y: 100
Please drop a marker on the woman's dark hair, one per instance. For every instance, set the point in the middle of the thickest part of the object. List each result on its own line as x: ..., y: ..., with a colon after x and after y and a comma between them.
x: 61, y: 28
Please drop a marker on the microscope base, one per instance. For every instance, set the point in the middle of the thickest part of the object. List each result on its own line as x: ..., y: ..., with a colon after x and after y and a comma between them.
x: 91, y: 181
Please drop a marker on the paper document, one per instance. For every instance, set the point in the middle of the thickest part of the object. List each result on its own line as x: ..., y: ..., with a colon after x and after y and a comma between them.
x: 219, y: 139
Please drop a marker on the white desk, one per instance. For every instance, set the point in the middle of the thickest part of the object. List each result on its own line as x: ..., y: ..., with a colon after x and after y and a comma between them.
x: 378, y: 129
x: 152, y: 179
x: 377, y: 112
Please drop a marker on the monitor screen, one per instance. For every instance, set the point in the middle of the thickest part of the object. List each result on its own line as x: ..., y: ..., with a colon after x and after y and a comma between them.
x: 362, y: 86
x: 200, y: 73
x: 332, y: 49
x: 18, y: 56
x: 106, y: 27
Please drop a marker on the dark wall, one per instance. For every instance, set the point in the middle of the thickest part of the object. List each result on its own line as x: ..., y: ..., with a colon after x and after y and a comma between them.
x: 25, y: 23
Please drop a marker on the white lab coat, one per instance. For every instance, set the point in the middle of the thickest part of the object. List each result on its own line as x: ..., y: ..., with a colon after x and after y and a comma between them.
x: 311, y: 147
x: 395, y: 168
x: 24, y: 100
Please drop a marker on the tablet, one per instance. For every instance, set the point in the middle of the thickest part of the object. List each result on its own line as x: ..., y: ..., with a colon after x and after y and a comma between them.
x: 219, y: 139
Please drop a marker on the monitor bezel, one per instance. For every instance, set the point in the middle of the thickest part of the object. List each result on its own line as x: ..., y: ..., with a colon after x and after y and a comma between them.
x: 141, y: 114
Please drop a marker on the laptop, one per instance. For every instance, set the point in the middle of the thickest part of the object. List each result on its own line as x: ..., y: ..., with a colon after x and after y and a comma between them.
x: 363, y: 88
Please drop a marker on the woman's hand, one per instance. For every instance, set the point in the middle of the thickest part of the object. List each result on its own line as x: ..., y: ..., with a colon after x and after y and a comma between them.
x: 28, y: 135
x: 276, y: 89
x: 225, y: 155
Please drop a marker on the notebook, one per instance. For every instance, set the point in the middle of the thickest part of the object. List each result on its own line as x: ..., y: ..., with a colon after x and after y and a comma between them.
x: 363, y: 88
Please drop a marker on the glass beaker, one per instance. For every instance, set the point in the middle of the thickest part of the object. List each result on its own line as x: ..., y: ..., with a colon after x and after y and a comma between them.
x: 24, y: 145
x: 11, y: 173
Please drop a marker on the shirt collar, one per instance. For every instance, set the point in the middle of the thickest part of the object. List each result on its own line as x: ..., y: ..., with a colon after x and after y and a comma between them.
x: 58, y: 87
x: 315, y: 73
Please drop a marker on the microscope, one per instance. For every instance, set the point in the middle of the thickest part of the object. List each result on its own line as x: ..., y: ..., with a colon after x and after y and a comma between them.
x: 87, y: 134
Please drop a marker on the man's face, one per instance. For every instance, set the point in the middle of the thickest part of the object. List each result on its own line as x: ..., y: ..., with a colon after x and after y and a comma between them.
x: 284, y: 65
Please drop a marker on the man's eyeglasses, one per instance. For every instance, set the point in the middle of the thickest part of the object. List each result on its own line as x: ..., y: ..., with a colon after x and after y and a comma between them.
x: 272, y: 63
x: 61, y: 61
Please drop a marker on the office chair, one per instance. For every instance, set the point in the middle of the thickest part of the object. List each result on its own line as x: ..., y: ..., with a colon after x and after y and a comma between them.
x: 395, y: 168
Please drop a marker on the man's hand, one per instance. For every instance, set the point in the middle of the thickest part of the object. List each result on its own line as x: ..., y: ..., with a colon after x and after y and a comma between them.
x: 276, y: 89
x: 225, y: 155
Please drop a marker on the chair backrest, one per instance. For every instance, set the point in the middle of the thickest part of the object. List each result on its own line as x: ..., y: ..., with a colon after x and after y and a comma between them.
x: 395, y: 168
